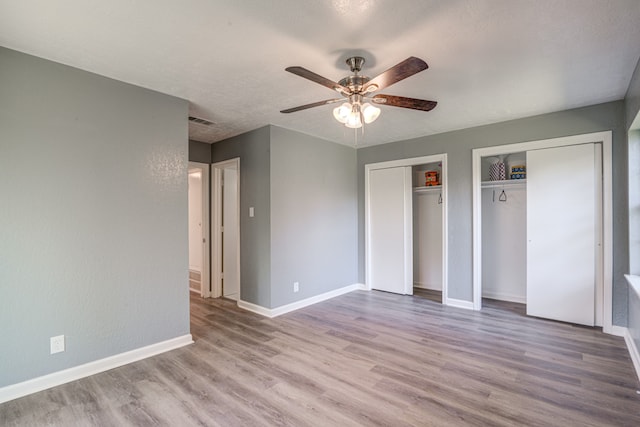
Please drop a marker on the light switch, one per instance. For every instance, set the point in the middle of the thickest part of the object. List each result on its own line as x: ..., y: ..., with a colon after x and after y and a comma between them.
x: 251, y: 212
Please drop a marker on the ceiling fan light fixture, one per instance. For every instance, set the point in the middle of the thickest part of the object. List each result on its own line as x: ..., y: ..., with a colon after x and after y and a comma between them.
x: 342, y: 112
x: 354, y: 121
x: 370, y: 113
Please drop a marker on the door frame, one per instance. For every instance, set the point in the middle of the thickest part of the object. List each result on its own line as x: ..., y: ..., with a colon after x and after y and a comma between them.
x: 205, y: 277
x: 216, y: 224
x: 605, y: 138
x: 414, y: 161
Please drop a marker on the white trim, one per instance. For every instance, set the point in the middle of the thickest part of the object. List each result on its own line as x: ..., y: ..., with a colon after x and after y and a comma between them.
x: 633, y: 350
x: 618, y: 331
x: 34, y: 385
x: 283, y: 309
x: 414, y: 161
x: 408, y: 231
x: 216, y: 223
x: 452, y: 302
x: 607, y: 201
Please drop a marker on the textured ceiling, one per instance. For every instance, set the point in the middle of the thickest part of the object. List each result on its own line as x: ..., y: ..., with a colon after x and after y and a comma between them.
x: 490, y: 60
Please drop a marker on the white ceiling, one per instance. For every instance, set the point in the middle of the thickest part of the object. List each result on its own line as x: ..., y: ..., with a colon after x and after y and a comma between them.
x: 490, y: 60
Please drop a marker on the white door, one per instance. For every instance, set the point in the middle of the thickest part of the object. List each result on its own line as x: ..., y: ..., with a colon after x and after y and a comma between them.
x: 561, y: 233
x: 230, y: 236
x: 195, y: 230
x: 390, y: 230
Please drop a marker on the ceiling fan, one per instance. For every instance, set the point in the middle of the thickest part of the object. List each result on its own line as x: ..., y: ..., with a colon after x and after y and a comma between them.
x: 360, y: 90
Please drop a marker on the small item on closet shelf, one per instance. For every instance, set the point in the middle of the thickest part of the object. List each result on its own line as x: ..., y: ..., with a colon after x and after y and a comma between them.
x: 497, y: 172
x: 431, y: 178
x: 518, y: 172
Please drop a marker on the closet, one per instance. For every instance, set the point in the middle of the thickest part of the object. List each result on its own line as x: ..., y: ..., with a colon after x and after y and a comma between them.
x: 504, y: 229
x: 427, y: 226
x: 405, y: 205
x: 542, y: 231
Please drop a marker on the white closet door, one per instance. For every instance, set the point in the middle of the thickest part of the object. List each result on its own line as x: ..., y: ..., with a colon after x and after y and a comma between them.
x: 390, y: 230
x: 561, y: 230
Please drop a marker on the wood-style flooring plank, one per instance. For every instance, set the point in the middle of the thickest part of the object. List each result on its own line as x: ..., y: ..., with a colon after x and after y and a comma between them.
x: 361, y: 359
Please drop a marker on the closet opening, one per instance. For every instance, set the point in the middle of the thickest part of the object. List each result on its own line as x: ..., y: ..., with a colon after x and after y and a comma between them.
x: 427, y: 230
x: 543, y: 227
x: 405, y: 223
x: 504, y: 227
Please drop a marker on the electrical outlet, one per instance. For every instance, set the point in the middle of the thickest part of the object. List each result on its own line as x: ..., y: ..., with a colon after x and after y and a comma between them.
x: 57, y: 344
x: 296, y: 286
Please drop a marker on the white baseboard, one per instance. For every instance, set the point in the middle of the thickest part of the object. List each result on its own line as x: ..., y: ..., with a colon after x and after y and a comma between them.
x: 633, y: 350
x: 618, y: 331
x: 34, y: 385
x: 278, y: 311
x: 468, y: 305
x: 503, y: 297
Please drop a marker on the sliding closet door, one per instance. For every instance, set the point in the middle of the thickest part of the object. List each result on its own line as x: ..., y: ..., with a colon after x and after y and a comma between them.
x: 390, y: 261
x: 561, y: 233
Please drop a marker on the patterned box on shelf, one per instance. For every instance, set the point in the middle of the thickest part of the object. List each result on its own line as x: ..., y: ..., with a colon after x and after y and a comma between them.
x: 431, y: 178
x: 497, y: 172
x: 518, y: 172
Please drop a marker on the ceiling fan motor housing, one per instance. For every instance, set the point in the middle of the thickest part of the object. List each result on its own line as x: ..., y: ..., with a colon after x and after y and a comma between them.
x: 355, y: 63
x: 354, y: 83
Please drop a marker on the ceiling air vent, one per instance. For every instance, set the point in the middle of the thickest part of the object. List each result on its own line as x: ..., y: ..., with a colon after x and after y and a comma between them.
x: 200, y: 121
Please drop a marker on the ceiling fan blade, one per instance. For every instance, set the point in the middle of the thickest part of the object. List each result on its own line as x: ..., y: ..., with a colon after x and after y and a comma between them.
x: 401, y: 71
x: 315, y: 104
x: 401, y: 101
x: 310, y: 75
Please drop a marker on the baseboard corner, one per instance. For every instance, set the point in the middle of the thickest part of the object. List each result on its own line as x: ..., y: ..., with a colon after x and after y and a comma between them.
x: 296, y: 305
x: 34, y: 385
x: 458, y: 303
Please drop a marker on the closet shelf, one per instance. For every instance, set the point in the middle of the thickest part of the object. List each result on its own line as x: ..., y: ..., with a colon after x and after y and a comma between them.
x: 505, y: 183
x: 429, y: 189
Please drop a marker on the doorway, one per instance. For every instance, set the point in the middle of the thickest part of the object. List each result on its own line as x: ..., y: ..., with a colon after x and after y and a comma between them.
x: 391, y: 193
x: 602, y: 253
x: 199, y: 260
x: 225, y: 233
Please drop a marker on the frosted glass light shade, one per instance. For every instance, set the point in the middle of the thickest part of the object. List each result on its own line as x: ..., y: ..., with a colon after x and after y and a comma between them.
x: 370, y: 113
x: 354, y: 121
x: 342, y: 112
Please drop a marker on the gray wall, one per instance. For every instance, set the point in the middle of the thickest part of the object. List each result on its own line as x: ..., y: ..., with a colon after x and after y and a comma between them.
x: 314, y: 216
x: 304, y: 193
x: 253, y: 149
x: 458, y: 145
x: 199, y: 152
x: 93, y: 216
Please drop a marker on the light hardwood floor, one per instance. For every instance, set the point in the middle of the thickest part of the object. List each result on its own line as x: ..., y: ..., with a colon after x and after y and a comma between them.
x: 361, y: 359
